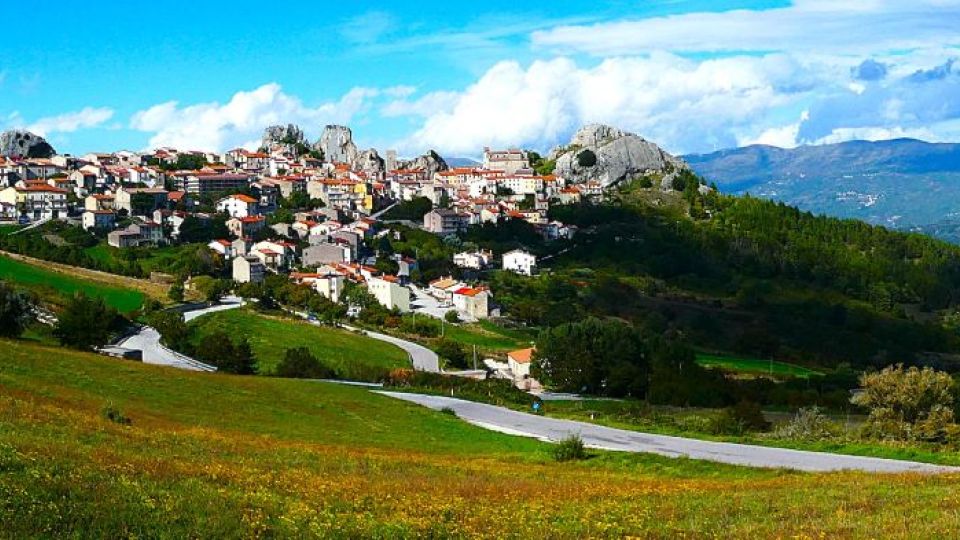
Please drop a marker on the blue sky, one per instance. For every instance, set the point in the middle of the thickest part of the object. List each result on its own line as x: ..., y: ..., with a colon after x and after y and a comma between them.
x: 693, y: 76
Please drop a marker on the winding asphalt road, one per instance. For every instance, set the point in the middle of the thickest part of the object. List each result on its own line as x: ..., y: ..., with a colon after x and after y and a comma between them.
x: 147, y: 340
x: 423, y: 359
x: 553, y: 429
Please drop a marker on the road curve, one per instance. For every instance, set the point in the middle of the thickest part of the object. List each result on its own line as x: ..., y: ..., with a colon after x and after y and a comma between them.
x: 423, y: 359
x: 147, y: 340
x: 553, y: 429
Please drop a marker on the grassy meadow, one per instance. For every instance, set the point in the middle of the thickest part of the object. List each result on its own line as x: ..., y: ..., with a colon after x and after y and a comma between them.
x: 47, y: 282
x: 351, y: 355
x: 213, y: 455
x: 754, y: 366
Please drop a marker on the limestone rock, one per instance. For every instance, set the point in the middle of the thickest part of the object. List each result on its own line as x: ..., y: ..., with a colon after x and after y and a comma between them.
x: 336, y: 143
x: 369, y: 161
x: 609, y: 155
x: 289, y: 135
x: 23, y: 144
x: 430, y: 162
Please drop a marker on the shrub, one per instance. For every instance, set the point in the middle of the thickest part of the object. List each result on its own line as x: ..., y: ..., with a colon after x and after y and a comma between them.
x: 586, y: 158
x: 14, y: 311
x: 114, y: 415
x: 743, y: 417
x: 300, y: 363
x: 570, y: 449
x: 908, y: 404
x: 808, y: 425
x: 452, y: 351
x: 452, y: 316
x: 448, y: 410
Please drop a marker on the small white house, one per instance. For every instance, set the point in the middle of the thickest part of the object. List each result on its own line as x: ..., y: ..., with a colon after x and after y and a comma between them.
x: 248, y: 269
x: 388, y: 291
x: 98, y: 219
x: 520, y: 261
x: 239, y: 206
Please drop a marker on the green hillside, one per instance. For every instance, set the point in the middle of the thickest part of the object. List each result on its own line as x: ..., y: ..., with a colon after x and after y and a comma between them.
x: 47, y: 284
x: 212, y: 455
x: 352, y: 356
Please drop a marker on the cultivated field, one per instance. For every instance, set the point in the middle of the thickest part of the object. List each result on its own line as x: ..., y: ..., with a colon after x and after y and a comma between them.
x: 223, y: 456
x: 754, y: 366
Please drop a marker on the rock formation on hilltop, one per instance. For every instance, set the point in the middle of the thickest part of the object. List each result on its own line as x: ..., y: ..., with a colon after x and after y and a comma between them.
x: 336, y: 143
x: 607, y: 154
x: 290, y: 135
x: 369, y: 161
x: 430, y: 162
x: 19, y: 143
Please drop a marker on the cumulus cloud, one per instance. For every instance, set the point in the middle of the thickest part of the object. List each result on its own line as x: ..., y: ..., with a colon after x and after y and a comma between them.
x: 240, y: 121
x: 88, y: 117
x: 682, y: 104
x: 817, y: 26
x: 688, y: 105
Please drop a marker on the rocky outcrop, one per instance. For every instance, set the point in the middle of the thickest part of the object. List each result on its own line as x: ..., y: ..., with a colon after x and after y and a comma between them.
x: 19, y: 143
x: 369, y: 161
x: 336, y: 143
x: 611, y: 156
x: 430, y: 162
x: 289, y: 135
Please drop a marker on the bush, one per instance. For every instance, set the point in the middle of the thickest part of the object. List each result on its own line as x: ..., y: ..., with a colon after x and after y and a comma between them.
x: 743, y: 417
x: 586, y: 158
x: 570, y: 449
x: 908, y: 404
x: 114, y: 415
x: 299, y: 363
x: 449, y: 411
x: 86, y: 323
x: 808, y: 425
x: 452, y: 316
x: 14, y: 311
x: 453, y: 352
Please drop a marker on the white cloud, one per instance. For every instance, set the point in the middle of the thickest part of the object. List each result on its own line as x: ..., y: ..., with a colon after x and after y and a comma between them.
x: 818, y: 26
x: 782, y: 136
x: 88, y: 117
x: 212, y: 126
x: 681, y: 104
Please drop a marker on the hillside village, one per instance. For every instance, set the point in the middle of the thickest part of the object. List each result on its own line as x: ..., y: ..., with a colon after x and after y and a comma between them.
x: 316, y: 213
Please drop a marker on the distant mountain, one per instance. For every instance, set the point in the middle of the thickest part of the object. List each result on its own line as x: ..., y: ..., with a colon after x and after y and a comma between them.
x: 903, y: 183
x: 462, y: 162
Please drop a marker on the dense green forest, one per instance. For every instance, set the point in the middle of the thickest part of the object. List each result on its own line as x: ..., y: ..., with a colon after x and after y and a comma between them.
x: 751, y: 276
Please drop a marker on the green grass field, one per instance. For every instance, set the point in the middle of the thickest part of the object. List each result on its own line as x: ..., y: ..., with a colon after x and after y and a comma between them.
x: 489, y: 337
x: 352, y: 356
x: 46, y: 282
x: 213, y: 455
x: 755, y: 366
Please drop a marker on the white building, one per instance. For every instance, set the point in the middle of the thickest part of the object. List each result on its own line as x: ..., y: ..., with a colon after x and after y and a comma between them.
x: 98, y: 219
x: 520, y: 261
x: 239, y: 206
x: 476, y: 260
x: 248, y: 269
x: 388, y: 291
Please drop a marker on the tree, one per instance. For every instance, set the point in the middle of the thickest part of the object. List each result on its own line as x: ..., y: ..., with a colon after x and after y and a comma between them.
x: 142, y: 204
x: 86, y: 323
x: 452, y: 316
x: 593, y: 356
x: 299, y: 363
x: 586, y: 158
x: 172, y: 328
x: 453, y: 352
x: 14, y: 311
x: 176, y: 292
x: 908, y: 404
x: 229, y: 357
x: 211, y: 288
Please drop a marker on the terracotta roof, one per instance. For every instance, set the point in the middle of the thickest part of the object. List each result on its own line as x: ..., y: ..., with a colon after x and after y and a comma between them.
x: 522, y: 356
x: 243, y: 198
